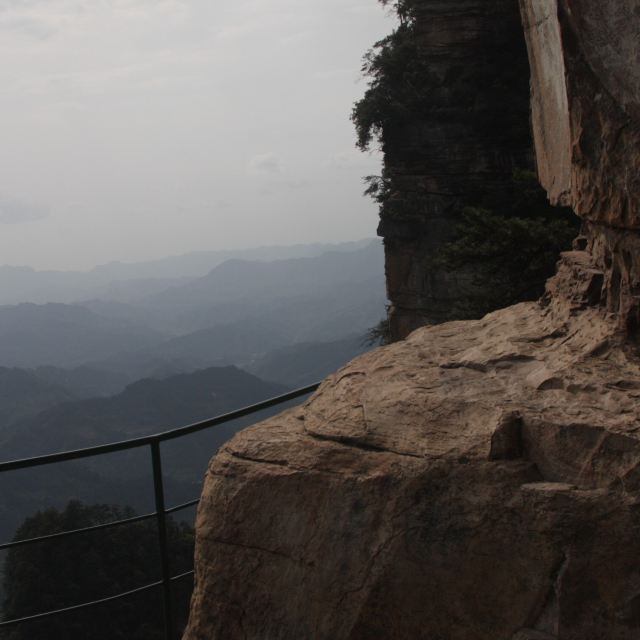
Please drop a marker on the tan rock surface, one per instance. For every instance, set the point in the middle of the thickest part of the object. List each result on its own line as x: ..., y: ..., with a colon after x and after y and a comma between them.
x: 476, y: 481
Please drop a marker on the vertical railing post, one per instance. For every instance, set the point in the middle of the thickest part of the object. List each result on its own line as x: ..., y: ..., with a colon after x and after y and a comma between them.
x: 162, y: 537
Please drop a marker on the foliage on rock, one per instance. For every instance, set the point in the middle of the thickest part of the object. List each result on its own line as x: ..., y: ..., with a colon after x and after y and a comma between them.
x: 502, y: 237
x: 509, y: 246
x: 379, y: 334
x: 396, y: 89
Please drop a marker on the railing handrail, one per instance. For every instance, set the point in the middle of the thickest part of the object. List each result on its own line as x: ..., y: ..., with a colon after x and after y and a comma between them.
x: 161, y: 511
x: 72, y: 532
x: 133, y: 443
x: 93, y: 603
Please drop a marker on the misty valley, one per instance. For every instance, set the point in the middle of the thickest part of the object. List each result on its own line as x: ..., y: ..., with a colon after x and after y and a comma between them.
x: 88, y: 358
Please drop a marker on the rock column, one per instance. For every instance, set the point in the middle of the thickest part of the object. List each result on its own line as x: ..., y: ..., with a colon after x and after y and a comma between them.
x: 473, y: 133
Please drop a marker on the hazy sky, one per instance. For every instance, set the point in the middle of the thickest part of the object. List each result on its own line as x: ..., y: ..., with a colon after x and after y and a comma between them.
x: 134, y: 129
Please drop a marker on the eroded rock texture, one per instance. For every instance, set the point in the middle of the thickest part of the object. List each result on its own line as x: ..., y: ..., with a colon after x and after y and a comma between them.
x: 478, y: 481
x: 585, y: 61
x: 463, y: 146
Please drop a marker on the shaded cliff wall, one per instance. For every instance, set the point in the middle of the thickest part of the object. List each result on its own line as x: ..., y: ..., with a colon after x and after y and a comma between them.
x: 472, y: 133
x: 585, y: 65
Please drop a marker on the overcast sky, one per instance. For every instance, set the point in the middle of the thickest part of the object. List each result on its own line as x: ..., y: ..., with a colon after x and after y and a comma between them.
x: 135, y: 129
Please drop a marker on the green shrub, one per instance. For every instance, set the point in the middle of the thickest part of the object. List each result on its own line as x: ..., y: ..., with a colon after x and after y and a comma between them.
x: 396, y: 89
x: 510, y: 243
x: 507, y: 241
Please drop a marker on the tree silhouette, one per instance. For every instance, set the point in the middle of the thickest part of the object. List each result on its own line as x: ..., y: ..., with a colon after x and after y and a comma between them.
x: 61, y: 573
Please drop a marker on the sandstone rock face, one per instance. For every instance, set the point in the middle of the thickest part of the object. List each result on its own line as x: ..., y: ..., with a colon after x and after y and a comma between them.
x: 585, y: 62
x: 478, y: 481
x: 465, y: 144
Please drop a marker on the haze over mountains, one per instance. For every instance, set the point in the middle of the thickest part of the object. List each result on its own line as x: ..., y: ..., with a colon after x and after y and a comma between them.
x: 144, y: 407
x: 125, y: 350
x: 238, y: 311
x: 147, y: 406
x: 125, y: 281
x: 65, y: 335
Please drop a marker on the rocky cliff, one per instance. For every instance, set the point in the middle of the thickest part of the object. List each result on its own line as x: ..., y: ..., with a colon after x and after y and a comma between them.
x: 479, y: 480
x: 456, y: 142
x: 585, y: 65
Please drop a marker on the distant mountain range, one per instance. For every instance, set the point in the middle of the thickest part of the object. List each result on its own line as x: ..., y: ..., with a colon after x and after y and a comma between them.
x: 307, y: 362
x: 24, y: 393
x: 233, y: 315
x: 238, y: 289
x: 160, y: 345
x: 147, y: 406
x: 65, y: 335
x: 83, y: 381
x: 129, y: 281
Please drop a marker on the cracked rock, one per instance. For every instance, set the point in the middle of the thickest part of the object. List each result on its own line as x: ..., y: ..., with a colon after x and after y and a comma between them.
x: 416, y: 501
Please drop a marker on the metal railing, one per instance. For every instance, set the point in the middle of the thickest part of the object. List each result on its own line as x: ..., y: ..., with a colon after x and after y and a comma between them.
x: 161, y: 511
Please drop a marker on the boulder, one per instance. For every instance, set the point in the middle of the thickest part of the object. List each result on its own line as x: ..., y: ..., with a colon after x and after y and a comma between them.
x: 477, y: 481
